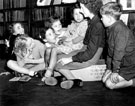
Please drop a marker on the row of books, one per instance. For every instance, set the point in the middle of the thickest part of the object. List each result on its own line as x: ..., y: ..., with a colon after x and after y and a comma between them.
x: 13, y: 3
x: 15, y: 16
x: 42, y: 14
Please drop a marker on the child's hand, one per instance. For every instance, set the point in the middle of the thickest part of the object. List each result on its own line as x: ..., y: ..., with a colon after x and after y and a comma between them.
x: 114, y: 78
x: 60, y: 42
x: 64, y: 61
x: 72, y: 32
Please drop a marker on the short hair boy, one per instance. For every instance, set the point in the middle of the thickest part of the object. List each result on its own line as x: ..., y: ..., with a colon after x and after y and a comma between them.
x: 121, y: 48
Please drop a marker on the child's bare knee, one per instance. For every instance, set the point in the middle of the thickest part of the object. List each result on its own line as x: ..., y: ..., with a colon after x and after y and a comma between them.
x: 9, y: 63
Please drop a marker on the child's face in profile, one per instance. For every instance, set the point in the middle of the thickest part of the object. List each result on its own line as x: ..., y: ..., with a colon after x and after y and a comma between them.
x: 50, y: 36
x: 57, y: 26
x: 78, y: 16
x: 106, y: 19
x: 18, y: 29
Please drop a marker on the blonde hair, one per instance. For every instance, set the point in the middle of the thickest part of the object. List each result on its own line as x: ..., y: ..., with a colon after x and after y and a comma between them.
x: 113, y: 9
x: 20, y: 44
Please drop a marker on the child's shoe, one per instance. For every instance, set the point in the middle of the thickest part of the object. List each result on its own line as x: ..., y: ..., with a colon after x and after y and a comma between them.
x: 52, y: 81
x: 68, y: 84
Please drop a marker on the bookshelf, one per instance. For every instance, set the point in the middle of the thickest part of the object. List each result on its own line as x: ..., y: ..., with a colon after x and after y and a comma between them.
x: 30, y: 15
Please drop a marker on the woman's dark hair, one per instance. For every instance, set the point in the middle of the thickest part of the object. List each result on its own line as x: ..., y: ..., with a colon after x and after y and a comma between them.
x: 93, y: 5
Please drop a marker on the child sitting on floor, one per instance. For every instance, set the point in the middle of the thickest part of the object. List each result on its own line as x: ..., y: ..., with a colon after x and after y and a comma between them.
x: 29, y: 56
x: 72, y: 38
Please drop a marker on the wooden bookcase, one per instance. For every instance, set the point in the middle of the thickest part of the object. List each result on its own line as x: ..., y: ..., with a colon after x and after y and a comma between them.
x: 30, y: 15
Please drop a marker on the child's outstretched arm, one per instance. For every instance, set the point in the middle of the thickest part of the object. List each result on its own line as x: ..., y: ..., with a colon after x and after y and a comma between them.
x: 77, y: 39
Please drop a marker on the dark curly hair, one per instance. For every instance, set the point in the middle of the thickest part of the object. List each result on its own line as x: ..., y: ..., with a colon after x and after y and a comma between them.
x: 93, y: 5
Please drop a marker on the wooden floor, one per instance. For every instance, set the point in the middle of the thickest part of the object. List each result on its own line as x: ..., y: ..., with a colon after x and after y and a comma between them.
x: 91, y: 94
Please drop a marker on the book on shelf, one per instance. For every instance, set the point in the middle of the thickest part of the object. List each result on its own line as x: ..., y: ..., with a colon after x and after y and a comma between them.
x: 18, y: 16
x: 1, y: 17
x: 42, y: 14
x: 1, y: 4
x: 1, y: 30
x: 14, y: 16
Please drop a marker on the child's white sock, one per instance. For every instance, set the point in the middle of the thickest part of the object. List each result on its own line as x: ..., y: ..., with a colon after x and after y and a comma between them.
x: 31, y: 73
x: 48, y: 73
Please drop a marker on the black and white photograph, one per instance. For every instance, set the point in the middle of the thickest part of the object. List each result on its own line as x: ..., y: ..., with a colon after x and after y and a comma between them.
x: 67, y: 52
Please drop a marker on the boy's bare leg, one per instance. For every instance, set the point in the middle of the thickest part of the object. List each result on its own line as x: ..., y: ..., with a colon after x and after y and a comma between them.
x: 121, y: 84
